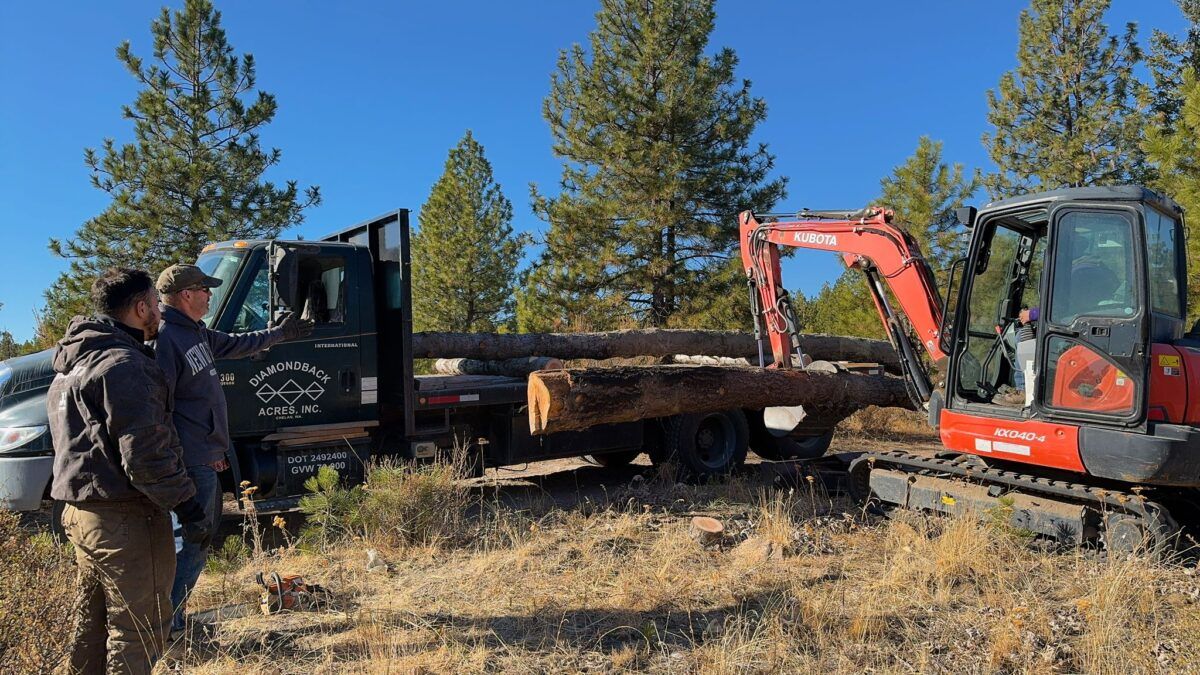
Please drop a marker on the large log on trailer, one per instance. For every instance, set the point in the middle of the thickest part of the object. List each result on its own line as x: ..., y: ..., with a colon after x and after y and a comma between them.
x: 640, y: 342
x: 574, y: 399
x: 509, y: 367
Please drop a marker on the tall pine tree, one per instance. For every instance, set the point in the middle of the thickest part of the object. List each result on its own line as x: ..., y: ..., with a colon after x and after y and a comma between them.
x: 1169, y: 56
x: 1173, y: 146
x: 924, y: 191
x: 655, y: 138
x: 465, y: 254
x: 194, y: 170
x: 1067, y: 115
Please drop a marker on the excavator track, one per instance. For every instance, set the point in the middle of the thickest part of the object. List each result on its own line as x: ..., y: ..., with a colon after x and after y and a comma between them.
x: 1122, y: 521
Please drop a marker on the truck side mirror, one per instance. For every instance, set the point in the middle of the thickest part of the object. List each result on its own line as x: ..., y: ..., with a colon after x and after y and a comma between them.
x: 284, y: 270
x: 966, y: 216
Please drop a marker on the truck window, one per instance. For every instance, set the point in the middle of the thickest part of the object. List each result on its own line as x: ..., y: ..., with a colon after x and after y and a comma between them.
x: 223, y: 265
x: 321, y: 289
x: 253, y: 313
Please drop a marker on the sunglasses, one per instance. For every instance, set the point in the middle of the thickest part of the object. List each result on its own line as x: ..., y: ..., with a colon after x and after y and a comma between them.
x: 200, y: 289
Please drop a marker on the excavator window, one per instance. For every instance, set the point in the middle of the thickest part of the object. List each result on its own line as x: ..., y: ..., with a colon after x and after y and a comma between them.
x: 1094, y: 267
x: 1162, y: 255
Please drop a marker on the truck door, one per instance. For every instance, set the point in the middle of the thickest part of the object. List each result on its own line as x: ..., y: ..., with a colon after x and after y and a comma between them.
x: 313, y: 380
x: 1093, y: 343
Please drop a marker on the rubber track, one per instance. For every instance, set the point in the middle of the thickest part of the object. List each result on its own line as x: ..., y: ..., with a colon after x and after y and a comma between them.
x: 1128, y: 502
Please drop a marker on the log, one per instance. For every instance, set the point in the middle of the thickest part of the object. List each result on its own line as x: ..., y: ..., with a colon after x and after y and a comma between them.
x: 575, y: 399
x: 641, y: 342
x: 510, y: 367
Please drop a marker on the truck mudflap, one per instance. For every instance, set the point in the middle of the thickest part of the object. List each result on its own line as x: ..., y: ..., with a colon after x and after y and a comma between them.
x: 1071, y: 513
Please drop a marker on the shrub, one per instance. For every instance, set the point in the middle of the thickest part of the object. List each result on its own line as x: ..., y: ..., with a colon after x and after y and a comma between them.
x: 408, y: 504
x: 399, y: 504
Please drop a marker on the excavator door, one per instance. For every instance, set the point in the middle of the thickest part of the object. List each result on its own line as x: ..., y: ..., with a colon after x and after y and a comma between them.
x: 1092, y: 330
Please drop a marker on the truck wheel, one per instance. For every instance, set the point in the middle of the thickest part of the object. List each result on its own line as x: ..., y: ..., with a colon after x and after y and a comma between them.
x: 777, y: 449
x: 613, y: 459
x: 706, y: 445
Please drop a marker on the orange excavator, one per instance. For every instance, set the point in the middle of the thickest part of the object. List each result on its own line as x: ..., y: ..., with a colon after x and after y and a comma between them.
x: 1063, y: 386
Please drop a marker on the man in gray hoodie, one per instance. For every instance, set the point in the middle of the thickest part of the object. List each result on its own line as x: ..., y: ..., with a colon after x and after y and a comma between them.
x: 186, y: 350
x: 118, y: 468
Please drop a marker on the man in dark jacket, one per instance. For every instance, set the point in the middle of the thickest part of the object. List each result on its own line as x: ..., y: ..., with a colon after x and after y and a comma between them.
x: 186, y: 350
x: 119, y: 469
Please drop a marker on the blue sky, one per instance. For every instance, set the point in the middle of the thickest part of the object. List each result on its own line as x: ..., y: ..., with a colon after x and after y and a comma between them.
x: 372, y: 96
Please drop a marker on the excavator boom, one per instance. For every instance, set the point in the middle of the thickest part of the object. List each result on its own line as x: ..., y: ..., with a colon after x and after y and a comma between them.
x: 867, y: 240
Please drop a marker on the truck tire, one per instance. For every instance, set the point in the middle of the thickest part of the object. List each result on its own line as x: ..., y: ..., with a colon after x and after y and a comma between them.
x: 777, y: 449
x: 614, y: 459
x: 707, y: 445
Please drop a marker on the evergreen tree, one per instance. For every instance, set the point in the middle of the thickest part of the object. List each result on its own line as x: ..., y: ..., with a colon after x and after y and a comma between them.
x: 9, y: 347
x: 924, y: 191
x: 655, y: 138
x: 1174, y: 149
x: 1169, y: 57
x: 465, y: 254
x: 1067, y: 115
x: 194, y: 171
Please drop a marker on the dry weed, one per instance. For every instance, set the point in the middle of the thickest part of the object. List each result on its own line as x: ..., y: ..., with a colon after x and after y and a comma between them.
x: 37, y: 589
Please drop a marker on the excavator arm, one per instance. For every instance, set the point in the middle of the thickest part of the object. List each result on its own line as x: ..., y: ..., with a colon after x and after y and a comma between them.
x: 867, y: 240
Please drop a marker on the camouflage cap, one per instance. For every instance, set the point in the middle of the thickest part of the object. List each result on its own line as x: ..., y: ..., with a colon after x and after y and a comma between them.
x: 180, y: 277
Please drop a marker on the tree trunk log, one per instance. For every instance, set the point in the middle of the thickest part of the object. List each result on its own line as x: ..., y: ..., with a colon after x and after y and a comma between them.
x: 642, y: 342
x: 570, y: 400
x: 510, y: 367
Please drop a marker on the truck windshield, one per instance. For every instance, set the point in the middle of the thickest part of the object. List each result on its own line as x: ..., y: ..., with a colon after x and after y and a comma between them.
x: 223, y: 265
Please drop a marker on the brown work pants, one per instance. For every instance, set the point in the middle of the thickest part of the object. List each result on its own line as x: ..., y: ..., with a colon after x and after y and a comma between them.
x: 126, y: 557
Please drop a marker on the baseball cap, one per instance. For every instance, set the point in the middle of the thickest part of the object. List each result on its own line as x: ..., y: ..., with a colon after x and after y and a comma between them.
x: 179, y: 277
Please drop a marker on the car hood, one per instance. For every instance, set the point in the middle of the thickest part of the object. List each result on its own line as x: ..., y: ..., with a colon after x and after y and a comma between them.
x: 25, y: 374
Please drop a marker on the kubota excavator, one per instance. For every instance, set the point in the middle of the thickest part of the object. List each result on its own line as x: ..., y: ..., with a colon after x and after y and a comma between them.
x: 1067, y: 392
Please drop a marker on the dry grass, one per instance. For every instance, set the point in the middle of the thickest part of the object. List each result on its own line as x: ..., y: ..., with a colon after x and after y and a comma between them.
x: 37, y: 580
x: 803, y: 582
x: 887, y: 423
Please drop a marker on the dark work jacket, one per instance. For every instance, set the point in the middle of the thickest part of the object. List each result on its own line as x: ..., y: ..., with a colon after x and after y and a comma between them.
x: 186, y: 350
x: 112, y: 432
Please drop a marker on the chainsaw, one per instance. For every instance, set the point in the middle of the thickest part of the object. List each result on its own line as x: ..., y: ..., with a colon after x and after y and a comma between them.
x: 290, y: 593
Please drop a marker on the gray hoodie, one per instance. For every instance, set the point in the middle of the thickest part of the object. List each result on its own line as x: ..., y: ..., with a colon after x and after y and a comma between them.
x: 113, y: 439
x: 186, y: 351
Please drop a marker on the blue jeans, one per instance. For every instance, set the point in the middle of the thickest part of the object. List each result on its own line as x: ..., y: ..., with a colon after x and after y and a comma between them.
x: 190, y: 558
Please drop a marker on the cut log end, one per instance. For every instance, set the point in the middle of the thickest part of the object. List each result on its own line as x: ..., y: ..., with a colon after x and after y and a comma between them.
x: 538, y: 398
x: 706, y: 530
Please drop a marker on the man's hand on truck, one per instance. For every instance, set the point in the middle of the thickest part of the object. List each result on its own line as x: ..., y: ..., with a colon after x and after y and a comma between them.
x: 295, y: 327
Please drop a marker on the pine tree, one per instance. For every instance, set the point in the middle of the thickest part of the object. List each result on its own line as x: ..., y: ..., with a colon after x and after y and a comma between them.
x: 1174, y: 149
x: 9, y: 347
x: 655, y: 138
x: 1067, y: 115
x: 924, y: 191
x: 194, y: 171
x: 465, y: 254
x: 1169, y: 57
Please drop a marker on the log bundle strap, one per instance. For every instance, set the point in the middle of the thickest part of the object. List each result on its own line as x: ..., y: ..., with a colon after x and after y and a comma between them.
x: 575, y: 399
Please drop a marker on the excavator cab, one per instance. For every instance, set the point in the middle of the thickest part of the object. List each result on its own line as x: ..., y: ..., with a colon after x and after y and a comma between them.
x: 1063, y: 294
